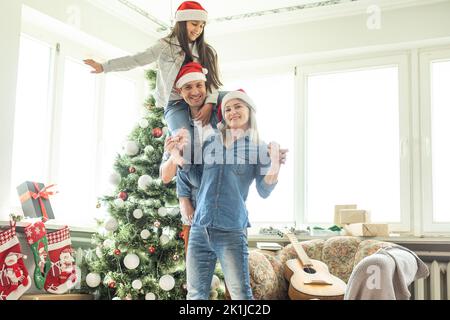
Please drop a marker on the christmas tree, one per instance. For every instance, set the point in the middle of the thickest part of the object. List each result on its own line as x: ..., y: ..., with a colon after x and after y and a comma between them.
x: 139, y: 248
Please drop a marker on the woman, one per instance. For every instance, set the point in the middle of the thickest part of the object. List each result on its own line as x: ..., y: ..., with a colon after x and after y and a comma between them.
x: 233, y: 158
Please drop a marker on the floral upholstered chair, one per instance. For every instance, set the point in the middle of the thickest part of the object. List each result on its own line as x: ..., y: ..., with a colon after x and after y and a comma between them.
x: 341, y: 254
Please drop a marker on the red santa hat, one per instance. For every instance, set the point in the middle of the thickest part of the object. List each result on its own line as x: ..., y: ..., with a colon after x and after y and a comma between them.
x: 238, y: 94
x: 191, y: 11
x: 191, y: 71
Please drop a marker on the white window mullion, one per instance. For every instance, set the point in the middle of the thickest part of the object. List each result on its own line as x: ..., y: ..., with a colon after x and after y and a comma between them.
x: 301, y: 93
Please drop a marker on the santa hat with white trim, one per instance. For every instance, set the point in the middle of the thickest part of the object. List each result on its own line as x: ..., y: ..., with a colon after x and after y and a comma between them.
x: 238, y: 94
x: 191, y: 71
x: 191, y: 11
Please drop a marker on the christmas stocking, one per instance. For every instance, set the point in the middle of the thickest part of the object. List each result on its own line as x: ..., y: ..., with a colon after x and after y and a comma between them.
x: 37, y: 239
x: 62, y: 276
x: 14, y: 278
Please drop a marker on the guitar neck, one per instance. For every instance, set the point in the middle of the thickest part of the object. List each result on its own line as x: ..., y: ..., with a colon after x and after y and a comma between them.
x: 304, y: 259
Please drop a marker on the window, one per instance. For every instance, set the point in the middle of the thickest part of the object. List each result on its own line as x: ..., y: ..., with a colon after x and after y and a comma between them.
x: 355, y: 141
x: 274, y: 98
x: 435, y: 157
x: 77, y: 145
x: 120, y: 116
x: 440, y: 113
x: 32, y: 115
x: 70, y: 124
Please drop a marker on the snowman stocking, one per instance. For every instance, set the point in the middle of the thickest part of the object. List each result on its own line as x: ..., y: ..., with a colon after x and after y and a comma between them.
x: 62, y: 276
x: 14, y: 278
x: 37, y: 239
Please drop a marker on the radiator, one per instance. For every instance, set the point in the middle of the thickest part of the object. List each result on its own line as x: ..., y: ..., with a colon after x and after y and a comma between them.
x: 436, y: 286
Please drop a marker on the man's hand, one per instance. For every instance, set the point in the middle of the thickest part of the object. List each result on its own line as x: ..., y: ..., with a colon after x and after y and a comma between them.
x: 204, y: 114
x: 98, y: 68
x: 186, y: 209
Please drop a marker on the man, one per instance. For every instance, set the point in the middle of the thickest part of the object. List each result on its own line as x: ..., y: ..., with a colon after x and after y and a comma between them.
x: 191, y: 85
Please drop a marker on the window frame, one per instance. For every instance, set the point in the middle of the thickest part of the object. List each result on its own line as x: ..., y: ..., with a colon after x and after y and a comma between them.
x: 72, y: 47
x: 426, y: 57
x: 401, y: 60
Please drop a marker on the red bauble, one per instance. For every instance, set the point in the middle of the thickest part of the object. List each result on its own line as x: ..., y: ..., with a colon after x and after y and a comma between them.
x: 131, y: 169
x: 152, y: 249
x: 181, y: 235
x: 112, y: 285
x: 123, y: 195
x: 117, y: 252
x: 157, y: 132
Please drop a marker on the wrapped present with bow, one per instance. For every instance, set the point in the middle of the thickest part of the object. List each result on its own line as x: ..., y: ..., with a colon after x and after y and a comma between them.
x: 35, y: 199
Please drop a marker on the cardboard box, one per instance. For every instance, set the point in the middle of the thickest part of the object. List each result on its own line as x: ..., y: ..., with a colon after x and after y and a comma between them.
x: 34, y: 197
x: 347, y: 216
x: 367, y: 229
x: 339, y: 207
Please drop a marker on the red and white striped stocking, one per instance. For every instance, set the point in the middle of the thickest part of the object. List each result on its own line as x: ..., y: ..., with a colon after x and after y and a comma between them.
x: 62, y: 275
x: 14, y: 278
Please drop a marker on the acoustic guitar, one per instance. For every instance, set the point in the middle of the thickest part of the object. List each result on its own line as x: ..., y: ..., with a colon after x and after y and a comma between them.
x: 310, y: 279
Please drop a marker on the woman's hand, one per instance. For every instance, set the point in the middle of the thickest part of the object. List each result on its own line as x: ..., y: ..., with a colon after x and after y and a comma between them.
x: 277, y: 155
x: 204, y: 115
x: 174, y: 146
x: 98, y: 68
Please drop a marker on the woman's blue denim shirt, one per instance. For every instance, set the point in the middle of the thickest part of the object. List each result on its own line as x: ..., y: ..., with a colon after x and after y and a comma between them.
x: 226, y: 176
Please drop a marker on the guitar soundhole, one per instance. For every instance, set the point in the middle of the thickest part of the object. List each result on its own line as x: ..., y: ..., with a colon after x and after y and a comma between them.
x: 309, y: 270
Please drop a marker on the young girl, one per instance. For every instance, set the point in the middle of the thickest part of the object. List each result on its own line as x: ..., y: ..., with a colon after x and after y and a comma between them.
x: 185, y: 44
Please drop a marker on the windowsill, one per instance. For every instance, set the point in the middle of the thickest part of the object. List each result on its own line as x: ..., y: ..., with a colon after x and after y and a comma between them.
x: 406, y: 238
x: 51, y: 225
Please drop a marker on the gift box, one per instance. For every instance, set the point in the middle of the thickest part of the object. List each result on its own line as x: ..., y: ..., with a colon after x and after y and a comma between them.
x: 34, y: 197
x: 347, y: 216
x: 337, y: 208
x: 367, y: 229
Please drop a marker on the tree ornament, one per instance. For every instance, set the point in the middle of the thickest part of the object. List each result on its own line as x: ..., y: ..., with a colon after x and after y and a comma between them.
x: 99, y: 205
x: 145, y: 234
x: 112, y: 285
x: 131, y: 261
x: 132, y: 170
x: 114, y: 178
x: 137, y: 284
x: 174, y: 212
x: 164, y: 239
x: 123, y: 195
x: 157, y: 132
x: 144, y: 182
x: 167, y: 282
x: 117, y: 252
x: 152, y: 249
x: 119, y: 203
x: 131, y: 148
x: 150, y: 296
x: 143, y: 124
x: 181, y: 235
x: 149, y: 149
x: 111, y: 224
x: 138, y: 214
x: 176, y: 257
x: 109, y: 243
x: 157, y: 224
x: 162, y: 212
x: 93, y: 280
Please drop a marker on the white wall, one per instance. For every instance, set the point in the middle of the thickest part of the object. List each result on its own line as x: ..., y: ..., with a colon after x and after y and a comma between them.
x: 309, y: 39
x: 94, y: 22
x: 10, y: 12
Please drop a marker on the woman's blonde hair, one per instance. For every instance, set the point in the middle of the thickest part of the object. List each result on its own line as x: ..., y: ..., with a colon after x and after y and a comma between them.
x: 252, y: 130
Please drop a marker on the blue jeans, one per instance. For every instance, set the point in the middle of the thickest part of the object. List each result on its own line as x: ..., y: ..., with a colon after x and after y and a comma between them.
x: 206, y: 245
x: 177, y: 116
